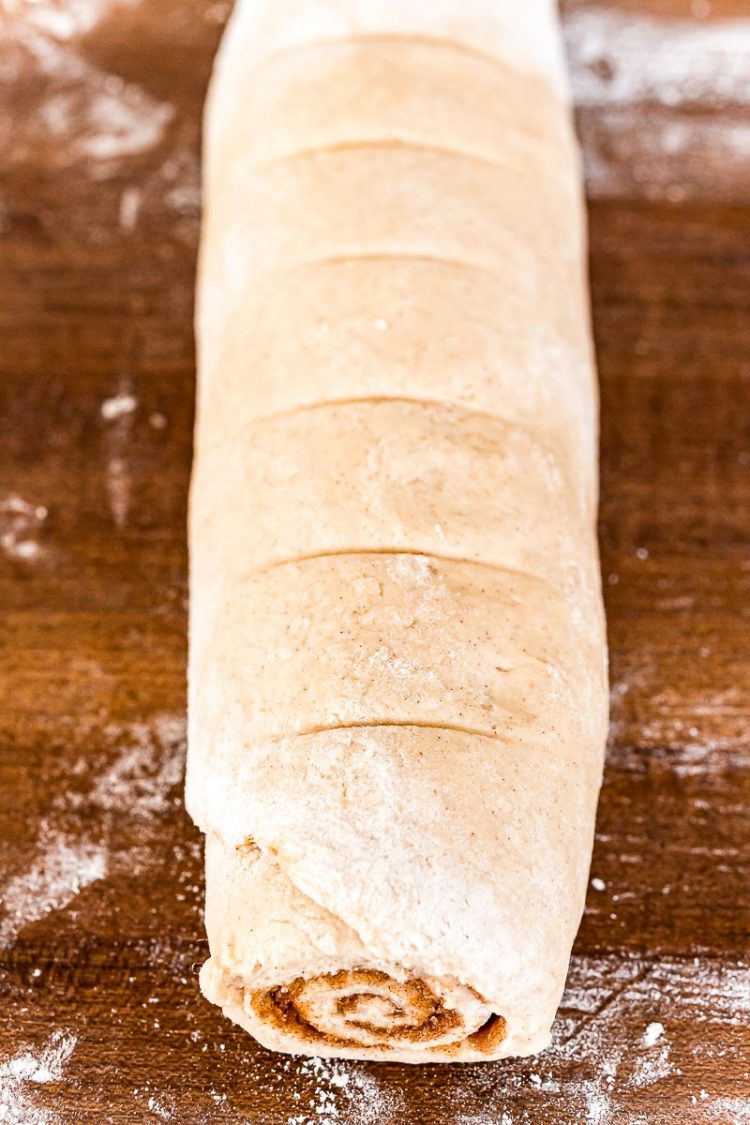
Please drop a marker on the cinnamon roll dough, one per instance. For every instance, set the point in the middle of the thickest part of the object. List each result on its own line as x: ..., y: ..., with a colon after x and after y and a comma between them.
x: 397, y: 650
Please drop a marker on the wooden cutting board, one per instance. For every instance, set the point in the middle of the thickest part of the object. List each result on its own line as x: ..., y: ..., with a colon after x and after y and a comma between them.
x: 100, y: 931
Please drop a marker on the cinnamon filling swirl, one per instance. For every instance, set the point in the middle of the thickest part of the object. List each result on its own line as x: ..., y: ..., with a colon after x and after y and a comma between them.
x: 368, y: 1008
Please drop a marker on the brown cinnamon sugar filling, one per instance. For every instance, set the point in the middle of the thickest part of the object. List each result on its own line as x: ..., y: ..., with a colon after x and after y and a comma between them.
x: 385, y: 1011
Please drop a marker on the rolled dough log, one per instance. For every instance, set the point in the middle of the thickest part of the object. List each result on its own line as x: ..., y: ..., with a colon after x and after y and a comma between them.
x: 397, y: 650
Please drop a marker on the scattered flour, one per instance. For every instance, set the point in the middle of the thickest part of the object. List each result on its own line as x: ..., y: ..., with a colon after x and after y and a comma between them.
x: 130, y: 206
x: 694, y: 78
x: 598, y: 1103
x: 345, y: 1094
x: 82, y: 114
x: 27, y: 1069
x: 145, y: 772
x: 185, y: 197
x: 491, y: 1118
x: 727, y: 1111
x: 653, y: 1034
x: 20, y: 523
x: 164, y: 1106
x: 65, y: 866
x: 651, y: 1068
x: 619, y: 57
x: 604, y: 1065
x: 118, y: 405
x: 597, y: 991
x: 118, y: 412
x: 159, y: 1109
x: 63, y: 19
x: 139, y: 784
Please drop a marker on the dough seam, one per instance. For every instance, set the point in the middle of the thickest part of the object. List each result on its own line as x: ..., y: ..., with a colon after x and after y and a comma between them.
x: 540, y: 436
x: 363, y: 38
x: 388, y: 144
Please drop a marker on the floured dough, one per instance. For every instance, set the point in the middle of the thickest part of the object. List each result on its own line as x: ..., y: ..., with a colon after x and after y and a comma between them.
x: 397, y: 653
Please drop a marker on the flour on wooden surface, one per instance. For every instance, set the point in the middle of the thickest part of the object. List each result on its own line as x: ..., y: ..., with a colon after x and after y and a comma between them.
x: 344, y: 1094
x: 694, y: 748
x: 83, y: 113
x: 130, y: 207
x: 20, y: 524
x: 141, y: 779
x: 651, y: 1067
x: 143, y: 783
x: 20, y: 1074
x: 63, y: 868
x: 699, y: 991
x: 88, y: 114
x: 139, y: 784
x: 653, y: 1034
x: 598, y: 1066
x: 117, y: 412
x: 63, y: 19
x: 118, y: 406
x: 663, y: 104
x: 159, y: 1109
x: 491, y: 1118
x: 622, y: 58
x: 218, y: 12
x: 727, y: 1111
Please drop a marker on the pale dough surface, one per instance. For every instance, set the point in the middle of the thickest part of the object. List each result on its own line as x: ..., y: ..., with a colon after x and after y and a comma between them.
x: 397, y: 655
x: 453, y: 335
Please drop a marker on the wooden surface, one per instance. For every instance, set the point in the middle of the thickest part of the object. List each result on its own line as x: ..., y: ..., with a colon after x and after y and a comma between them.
x: 101, y: 1020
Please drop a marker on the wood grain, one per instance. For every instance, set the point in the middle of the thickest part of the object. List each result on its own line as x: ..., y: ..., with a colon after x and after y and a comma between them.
x: 99, y: 127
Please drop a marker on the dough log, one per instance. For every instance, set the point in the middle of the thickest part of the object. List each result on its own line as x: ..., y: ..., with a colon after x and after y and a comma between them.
x: 397, y: 697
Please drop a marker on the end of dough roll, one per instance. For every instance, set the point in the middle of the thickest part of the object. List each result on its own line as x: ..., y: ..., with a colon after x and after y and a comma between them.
x: 409, y: 893
x: 397, y: 680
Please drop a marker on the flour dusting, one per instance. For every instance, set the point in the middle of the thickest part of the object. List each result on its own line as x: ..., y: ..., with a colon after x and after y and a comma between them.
x: 130, y: 207
x: 20, y: 524
x: 80, y: 114
x: 118, y: 412
x: 139, y: 784
x: 653, y: 1034
x: 159, y: 1109
x: 663, y: 103
x: 65, y: 866
x: 651, y: 1068
x: 598, y: 1107
x: 727, y: 1111
x: 344, y: 1094
x: 140, y: 780
x: 117, y: 406
x: 63, y: 19
x: 27, y: 1069
x: 619, y: 57
x: 597, y: 991
x: 491, y: 1118
x: 606, y: 1063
